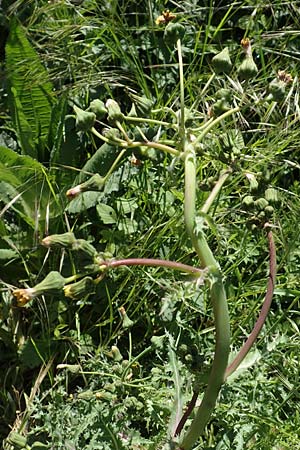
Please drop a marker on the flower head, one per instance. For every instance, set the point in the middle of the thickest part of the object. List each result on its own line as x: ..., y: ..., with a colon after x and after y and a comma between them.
x: 23, y: 296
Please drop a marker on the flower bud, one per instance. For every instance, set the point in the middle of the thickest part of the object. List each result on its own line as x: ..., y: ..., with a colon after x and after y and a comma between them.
x: 84, y: 246
x: 113, y: 134
x: 53, y: 283
x: 277, y: 87
x: 114, y: 110
x: 220, y: 106
x: 143, y: 104
x: 221, y: 62
x: 224, y: 94
x: 97, y: 107
x: 126, y: 322
x: 64, y: 240
x: 115, y: 353
x: 271, y: 195
x: 261, y: 203
x: 84, y: 120
x: 252, y: 181
x: 80, y: 289
x: 95, y: 183
x: 248, y: 69
x: 248, y: 201
x: 158, y: 341
x: 173, y: 32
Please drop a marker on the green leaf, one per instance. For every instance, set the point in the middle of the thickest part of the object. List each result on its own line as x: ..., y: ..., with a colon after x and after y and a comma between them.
x: 24, y: 186
x: 100, y: 162
x: 30, y: 92
x: 106, y: 213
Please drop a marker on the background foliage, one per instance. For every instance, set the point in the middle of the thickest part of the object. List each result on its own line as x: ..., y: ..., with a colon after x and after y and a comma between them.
x: 60, y: 383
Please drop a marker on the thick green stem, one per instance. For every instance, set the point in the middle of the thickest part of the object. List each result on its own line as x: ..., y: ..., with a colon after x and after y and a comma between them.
x: 219, y: 304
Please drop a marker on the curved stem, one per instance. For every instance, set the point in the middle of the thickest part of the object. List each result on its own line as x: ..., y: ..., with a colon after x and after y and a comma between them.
x: 215, y: 122
x: 263, y: 313
x: 154, y: 263
x: 219, y: 304
x: 215, y: 191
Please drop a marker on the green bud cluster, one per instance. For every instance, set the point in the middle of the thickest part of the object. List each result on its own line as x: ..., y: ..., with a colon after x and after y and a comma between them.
x: 68, y: 240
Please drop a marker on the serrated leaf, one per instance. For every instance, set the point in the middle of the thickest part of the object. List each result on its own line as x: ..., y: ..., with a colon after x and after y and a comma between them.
x: 30, y: 92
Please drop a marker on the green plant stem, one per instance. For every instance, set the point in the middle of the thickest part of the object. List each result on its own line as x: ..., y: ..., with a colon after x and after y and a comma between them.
x: 212, y: 124
x: 181, y: 85
x: 263, y: 313
x: 165, y: 148
x: 121, y: 128
x: 208, y: 83
x: 219, y: 304
x: 150, y: 121
x: 215, y: 192
x: 114, y: 164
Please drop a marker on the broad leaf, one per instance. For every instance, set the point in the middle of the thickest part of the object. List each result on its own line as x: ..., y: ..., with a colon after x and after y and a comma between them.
x: 30, y: 93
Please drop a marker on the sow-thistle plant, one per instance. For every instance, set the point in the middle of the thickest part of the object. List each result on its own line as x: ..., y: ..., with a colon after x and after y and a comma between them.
x: 185, y: 145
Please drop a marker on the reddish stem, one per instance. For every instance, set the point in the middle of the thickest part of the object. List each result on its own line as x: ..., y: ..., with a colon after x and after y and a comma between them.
x: 263, y: 313
x: 153, y: 262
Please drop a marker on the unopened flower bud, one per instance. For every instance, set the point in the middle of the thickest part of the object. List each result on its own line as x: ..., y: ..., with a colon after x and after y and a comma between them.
x: 248, y: 201
x: 143, y: 104
x: 173, y: 32
x: 261, y: 203
x: 16, y: 440
x: 84, y: 246
x: 126, y: 322
x: 271, y: 195
x: 114, y: 110
x: 113, y: 134
x: 84, y: 119
x: 248, y: 69
x: 97, y: 107
x: 80, y: 289
x: 115, y: 353
x: 64, y: 240
x: 222, y: 62
x: 252, y: 181
x: 95, y: 183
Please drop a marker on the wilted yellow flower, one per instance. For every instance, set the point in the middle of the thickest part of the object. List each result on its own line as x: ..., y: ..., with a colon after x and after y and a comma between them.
x: 53, y: 283
x: 166, y: 17
x: 23, y: 296
x: 80, y: 289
